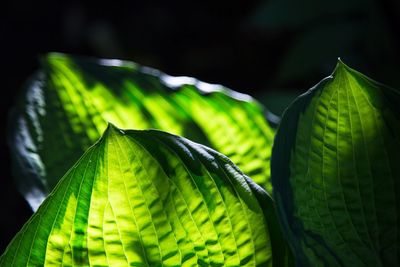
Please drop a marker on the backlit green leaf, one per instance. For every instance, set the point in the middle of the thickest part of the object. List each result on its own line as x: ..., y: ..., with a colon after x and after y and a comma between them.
x: 148, y: 198
x: 67, y: 105
x: 336, y: 172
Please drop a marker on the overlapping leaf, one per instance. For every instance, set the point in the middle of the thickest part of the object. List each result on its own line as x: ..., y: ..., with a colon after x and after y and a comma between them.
x: 68, y: 104
x: 148, y: 198
x: 336, y: 172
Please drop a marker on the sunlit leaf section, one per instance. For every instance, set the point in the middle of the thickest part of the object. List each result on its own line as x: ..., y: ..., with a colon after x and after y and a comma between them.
x: 147, y: 198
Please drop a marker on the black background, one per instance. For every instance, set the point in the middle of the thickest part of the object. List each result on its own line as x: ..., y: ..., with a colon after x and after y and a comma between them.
x: 270, y: 49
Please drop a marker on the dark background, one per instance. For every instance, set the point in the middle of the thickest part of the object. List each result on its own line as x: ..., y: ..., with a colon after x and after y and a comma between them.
x: 271, y: 49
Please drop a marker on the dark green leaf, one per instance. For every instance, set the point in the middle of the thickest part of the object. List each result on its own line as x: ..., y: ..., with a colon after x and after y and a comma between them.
x: 336, y: 172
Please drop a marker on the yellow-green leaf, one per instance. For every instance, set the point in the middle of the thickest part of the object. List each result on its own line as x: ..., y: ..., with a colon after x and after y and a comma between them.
x: 148, y: 198
x: 67, y: 105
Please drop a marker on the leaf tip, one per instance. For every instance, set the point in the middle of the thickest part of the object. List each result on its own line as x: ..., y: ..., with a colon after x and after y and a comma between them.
x: 113, y: 130
x: 341, y: 67
x: 340, y: 64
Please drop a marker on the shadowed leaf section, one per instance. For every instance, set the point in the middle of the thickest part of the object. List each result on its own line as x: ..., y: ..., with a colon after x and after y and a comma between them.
x: 336, y: 172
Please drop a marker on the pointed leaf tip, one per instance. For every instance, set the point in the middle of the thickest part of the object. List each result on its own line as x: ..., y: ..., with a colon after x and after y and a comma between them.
x: 340, y: 66
x: 113, y: 130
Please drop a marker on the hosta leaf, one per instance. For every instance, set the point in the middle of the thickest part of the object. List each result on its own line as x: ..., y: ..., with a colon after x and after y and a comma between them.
x: 336, y: 172
x: 148, y: 198
x: 67, y: 105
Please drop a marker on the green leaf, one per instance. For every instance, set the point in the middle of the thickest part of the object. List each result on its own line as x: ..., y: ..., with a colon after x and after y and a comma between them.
x: 148, y: 198
x: 68, y: 103
x: 336, y: 172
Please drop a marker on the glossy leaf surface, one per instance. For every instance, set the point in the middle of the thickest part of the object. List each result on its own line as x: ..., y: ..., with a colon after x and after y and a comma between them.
x: 147, y: 198
x: 336, y: 172
x: 67, y: 105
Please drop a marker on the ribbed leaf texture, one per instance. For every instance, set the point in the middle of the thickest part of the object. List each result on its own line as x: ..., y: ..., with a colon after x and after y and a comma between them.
x: 148, y: 198
x: 67, y: 105
x: 336, y: 172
